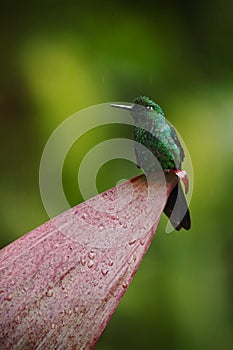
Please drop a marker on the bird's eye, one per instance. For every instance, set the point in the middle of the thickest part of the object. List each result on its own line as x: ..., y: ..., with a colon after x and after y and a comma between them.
x: 150, y: 108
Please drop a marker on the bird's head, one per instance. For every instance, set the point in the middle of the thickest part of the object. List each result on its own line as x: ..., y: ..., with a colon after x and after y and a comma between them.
x: 143, y: 101
x: 148, y: 103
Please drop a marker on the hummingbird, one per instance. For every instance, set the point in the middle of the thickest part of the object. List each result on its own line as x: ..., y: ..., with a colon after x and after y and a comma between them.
x: 160, y: 140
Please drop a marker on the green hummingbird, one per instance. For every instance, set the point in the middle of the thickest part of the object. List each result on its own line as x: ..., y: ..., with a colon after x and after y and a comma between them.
x: 160, y: 140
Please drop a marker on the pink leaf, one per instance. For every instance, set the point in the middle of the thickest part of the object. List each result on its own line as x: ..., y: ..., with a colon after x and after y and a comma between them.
x: 61, y: 283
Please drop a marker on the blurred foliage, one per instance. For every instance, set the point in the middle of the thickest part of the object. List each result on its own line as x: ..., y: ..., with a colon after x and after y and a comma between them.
x: 58, y: 57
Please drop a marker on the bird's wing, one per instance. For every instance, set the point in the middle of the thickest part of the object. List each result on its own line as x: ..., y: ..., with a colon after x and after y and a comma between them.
x: 177, y: 141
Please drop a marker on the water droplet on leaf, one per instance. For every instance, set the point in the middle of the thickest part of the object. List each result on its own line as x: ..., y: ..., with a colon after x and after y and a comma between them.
x: 90, y: 264
x: 132, y: 242
x: 82, y: 260
x: 104, y: 272
x: 142, y: 241
x: 9, y: 297
x: 91, y: 255
x: 84, y: 216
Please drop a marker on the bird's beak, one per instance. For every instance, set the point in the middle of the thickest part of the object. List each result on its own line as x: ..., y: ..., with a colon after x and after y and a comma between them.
x: 118, y: 105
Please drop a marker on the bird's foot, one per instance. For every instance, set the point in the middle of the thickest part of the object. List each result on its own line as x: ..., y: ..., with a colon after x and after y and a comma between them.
x: 182, y: 175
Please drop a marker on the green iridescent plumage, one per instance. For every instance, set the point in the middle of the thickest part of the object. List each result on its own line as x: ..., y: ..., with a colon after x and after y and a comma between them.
x: 153, y: 131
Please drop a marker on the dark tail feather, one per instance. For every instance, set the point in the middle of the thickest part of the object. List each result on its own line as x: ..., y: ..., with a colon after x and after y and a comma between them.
x: 177, y: 209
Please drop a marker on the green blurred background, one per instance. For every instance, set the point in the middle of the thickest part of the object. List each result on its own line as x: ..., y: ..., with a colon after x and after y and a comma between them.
x: 58, y: 57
